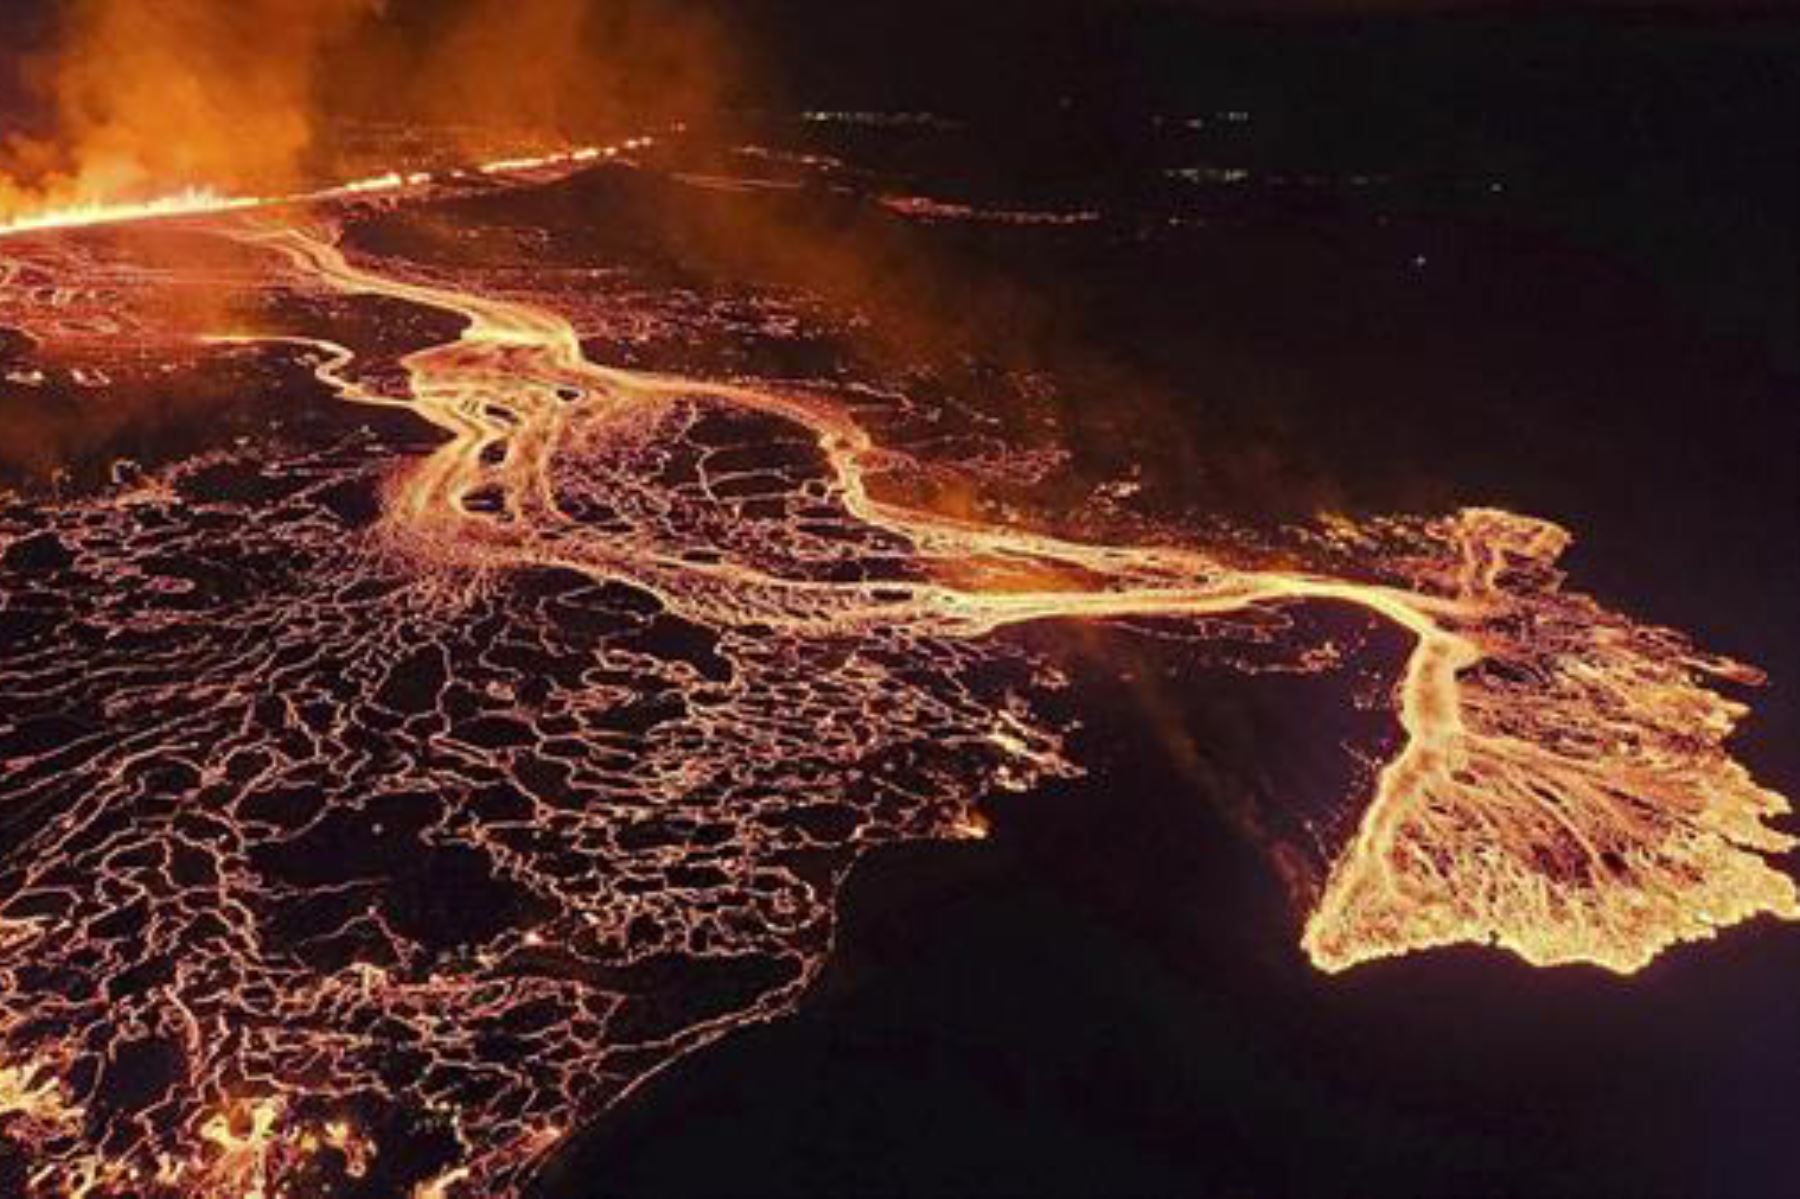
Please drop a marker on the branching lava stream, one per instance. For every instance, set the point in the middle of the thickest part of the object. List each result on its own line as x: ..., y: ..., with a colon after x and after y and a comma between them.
x: 380, y: 857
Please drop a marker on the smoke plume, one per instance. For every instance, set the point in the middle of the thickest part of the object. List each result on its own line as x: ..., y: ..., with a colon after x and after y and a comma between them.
x: 182, y: 93
x: 240, y: 95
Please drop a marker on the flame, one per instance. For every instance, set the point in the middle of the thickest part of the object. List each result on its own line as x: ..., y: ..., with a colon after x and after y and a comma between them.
x: 190, y: 202
x: 173, y: 107
x: 189, y: 91
x: 207, y: 202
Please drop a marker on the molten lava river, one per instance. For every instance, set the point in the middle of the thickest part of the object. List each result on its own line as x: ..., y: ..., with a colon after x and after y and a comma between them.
x: 381, y: 801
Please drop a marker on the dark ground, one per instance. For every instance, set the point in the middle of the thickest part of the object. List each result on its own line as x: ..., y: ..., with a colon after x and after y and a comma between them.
x: 1107, y: 997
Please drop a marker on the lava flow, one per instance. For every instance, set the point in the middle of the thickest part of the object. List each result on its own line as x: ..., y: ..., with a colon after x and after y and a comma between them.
x: 408, y: 807
x: 200, y: 201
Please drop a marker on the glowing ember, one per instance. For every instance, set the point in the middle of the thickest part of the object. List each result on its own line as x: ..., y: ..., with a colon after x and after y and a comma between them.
x: 422, y: 839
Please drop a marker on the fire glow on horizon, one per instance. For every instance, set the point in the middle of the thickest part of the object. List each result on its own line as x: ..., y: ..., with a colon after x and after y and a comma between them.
x: 205, y: 201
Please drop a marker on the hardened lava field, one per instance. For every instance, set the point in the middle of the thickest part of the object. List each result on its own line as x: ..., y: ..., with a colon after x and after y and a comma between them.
x: 453, y: 728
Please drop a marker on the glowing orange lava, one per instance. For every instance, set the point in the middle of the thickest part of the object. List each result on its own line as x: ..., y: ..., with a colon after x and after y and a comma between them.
x: 643, y: 662
x: 185, y: 203
x: 1589, y: 815
x: 201, y: 201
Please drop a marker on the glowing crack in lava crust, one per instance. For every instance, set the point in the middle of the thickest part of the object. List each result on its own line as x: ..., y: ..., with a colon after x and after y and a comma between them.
x: 371, y: 855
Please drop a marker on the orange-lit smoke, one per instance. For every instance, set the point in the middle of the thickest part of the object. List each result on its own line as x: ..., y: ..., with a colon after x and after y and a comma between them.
x: 544, y: 71
x: 153, y: 98
x: 240, y: 97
